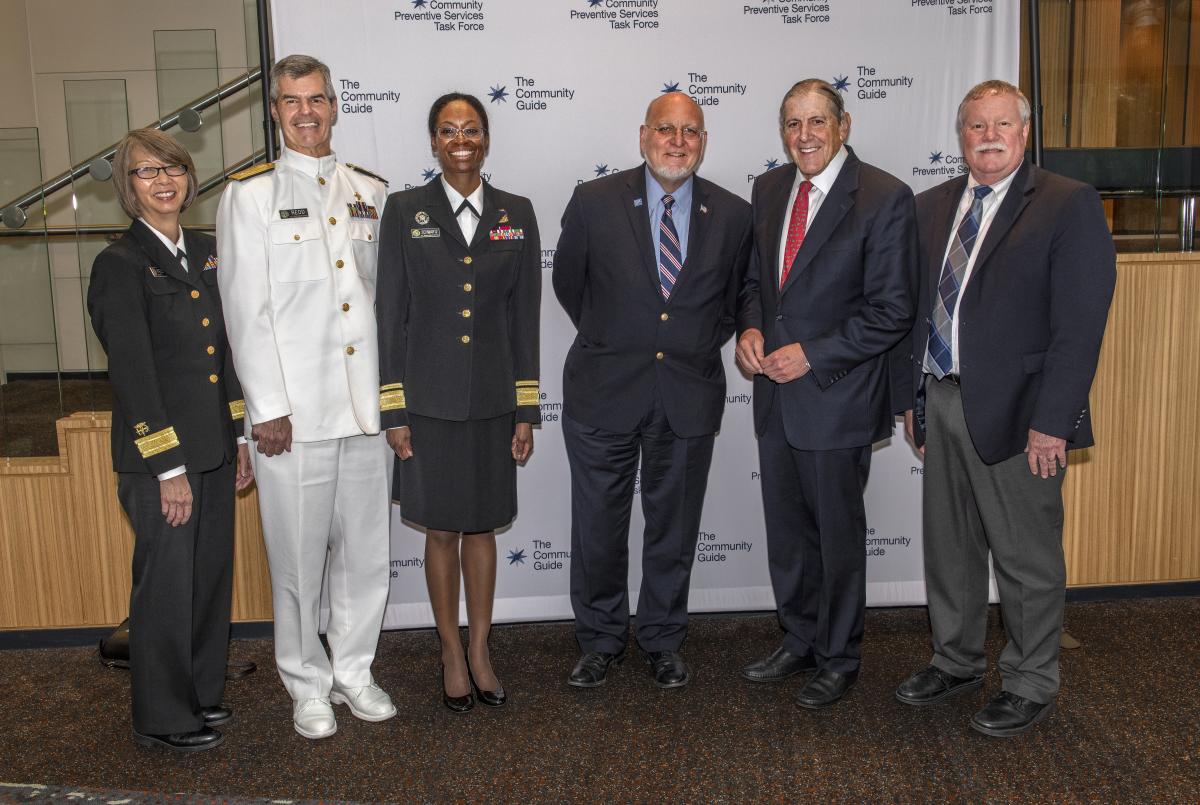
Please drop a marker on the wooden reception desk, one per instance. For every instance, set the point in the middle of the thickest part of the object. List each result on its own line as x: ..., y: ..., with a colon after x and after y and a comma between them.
x: 1132, y: 502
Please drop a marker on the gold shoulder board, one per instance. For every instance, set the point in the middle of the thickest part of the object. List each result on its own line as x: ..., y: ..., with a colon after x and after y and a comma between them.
x: 253, y: 170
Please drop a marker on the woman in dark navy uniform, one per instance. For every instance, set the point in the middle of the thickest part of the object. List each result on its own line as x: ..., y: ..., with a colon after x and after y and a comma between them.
x: 177, y: 410
x: 458, y: 301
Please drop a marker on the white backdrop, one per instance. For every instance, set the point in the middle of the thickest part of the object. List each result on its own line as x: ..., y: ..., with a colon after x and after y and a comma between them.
x: 566, y: 83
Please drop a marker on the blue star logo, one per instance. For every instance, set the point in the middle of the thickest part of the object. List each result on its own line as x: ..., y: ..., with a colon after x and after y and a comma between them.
x: 771, y: 163
x: 935, y: 157
x: 842, y: 83
x: 499, y: 94
x: 428, y: 174
x: 516, y: 557
x: 602, y: 170
x: 419, y: 3
x: 671, y: 87
x: 594, y: 3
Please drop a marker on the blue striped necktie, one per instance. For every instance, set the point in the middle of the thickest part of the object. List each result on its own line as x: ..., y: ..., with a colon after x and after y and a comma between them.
x: 670, y: 255
x: 940, y: 353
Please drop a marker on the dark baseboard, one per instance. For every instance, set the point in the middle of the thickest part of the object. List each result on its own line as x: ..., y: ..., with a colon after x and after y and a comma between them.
x: 97, y: 375
x: 1118, y: 592
x: 90, y: 636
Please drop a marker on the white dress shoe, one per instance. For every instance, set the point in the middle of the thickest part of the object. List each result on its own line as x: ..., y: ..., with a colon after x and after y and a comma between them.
x: 369, y: 702
x: 314, y: 718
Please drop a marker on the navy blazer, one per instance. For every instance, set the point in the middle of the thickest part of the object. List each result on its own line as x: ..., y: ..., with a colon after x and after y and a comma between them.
x: 630, y: 340
x: 848, y: 301
x: 1032, y: 315
x: 458, y: 322
x: 177, y: 399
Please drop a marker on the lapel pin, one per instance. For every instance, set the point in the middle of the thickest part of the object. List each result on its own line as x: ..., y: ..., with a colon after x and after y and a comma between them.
x: 703, y: 209
x: 637, y: 202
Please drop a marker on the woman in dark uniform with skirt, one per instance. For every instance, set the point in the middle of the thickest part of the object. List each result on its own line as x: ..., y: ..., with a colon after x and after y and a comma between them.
x: 177, y: 411
x: 458, y: 301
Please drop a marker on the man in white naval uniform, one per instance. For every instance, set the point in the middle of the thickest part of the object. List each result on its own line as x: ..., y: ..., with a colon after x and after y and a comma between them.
x: 298, y: 241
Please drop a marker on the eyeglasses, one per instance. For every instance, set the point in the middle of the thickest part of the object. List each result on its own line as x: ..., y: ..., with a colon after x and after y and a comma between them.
x: 668, y: 132
x: 471, y: 132
x: 151, y: 171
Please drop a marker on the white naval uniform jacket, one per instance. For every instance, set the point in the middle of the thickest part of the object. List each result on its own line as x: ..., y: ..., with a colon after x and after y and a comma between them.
x: 299, y: 245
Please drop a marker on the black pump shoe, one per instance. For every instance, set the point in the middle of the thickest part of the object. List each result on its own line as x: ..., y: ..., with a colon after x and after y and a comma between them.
x: 492, y: 698
x: 457, y: 704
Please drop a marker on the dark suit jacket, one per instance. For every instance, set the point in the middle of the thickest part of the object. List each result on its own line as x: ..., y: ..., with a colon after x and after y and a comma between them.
x: 848, y: 300
x: 1032, y: 314
x: 177, y: 399
x: 434, y: 290
x: 606, y: 278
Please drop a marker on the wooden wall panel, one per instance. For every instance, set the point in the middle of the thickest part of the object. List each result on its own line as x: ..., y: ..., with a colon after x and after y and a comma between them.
x: 1096, y: 73
x: 1133, y: 500
x: 66, y: 546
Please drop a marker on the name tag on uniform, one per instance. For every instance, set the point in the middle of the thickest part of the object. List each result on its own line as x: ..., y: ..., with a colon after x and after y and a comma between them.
x: 427, y: 232
x: 156, y: 272
x: 506, y: 233
x: 299, y: 213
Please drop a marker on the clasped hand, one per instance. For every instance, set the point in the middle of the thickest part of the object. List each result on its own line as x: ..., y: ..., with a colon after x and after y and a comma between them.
x: 782, y: 366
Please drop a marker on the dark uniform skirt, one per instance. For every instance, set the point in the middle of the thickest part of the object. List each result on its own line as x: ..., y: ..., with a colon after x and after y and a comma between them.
x: 461, y: 476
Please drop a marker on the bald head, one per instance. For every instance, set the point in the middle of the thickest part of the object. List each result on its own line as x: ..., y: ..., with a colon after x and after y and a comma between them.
x: 673, y: 138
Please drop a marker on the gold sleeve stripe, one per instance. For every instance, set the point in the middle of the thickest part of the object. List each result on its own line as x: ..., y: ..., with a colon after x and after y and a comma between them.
x: 528, y: 392
x: 237, y: 409
x: 156, y: 443
x: 391, y: 386
x: 392, y: 399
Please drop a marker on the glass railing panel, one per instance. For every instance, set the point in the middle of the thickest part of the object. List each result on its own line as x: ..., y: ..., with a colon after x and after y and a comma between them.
x: 30, y: 394
x: 186, y: 68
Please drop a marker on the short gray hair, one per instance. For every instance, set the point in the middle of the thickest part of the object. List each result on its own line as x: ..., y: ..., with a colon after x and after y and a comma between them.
x: 820, y: 87
x: 994, y: 87
x: 298, y: 66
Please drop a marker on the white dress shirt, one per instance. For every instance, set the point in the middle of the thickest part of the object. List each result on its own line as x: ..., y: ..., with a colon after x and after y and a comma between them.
x: 822, y: 183
x: 467, y: 220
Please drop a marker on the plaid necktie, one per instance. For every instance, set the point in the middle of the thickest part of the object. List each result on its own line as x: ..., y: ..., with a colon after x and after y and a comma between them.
x: 940, y: 354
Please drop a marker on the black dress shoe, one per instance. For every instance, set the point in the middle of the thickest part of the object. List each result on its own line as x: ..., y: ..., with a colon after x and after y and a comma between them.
x: 932, y: 684
x: 492, y: 698
x: 668, y: 669
x: 1009, y: 714
x: 236, y: 669
x: 215, y: 716
x: 458, y: 704
x: 196, y: 741
x: 592, y: 669
x: 825, y: 688
x: 781, y: 665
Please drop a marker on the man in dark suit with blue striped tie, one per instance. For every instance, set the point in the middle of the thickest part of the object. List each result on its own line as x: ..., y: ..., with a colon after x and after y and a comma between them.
x: 648, y: 267
x: 1017, y: 270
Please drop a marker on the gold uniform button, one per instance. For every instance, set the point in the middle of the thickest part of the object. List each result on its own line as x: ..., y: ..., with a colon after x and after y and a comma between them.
x: 295, y: 237
x: 664, y: 317
x: 340, y: 264
x: 466, y: 339
x: 349, y: 350
x: 204, y: 322
x: 211, y: 350
x: 213, y: 378
x: 658, y: 355
x: 320, y: 180
x: 195, y: 294
x: 467, y: 287
x: 332, y: 221
x: 467, y: 260
x: 345, y: 306
x: 466, y: 314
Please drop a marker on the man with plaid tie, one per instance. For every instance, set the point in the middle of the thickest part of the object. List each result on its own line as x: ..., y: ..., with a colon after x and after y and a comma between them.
x: 648, y: 267
x: 828, y: 294
x: 1017, y: 270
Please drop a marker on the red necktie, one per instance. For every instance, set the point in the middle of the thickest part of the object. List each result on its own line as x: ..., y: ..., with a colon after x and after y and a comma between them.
x: 796, y: 226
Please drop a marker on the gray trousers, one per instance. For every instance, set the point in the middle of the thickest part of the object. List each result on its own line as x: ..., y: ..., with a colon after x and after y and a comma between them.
x: 972, y: 508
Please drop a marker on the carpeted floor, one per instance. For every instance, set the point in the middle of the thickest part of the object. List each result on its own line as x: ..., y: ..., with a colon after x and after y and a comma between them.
x: 1127, y: 728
